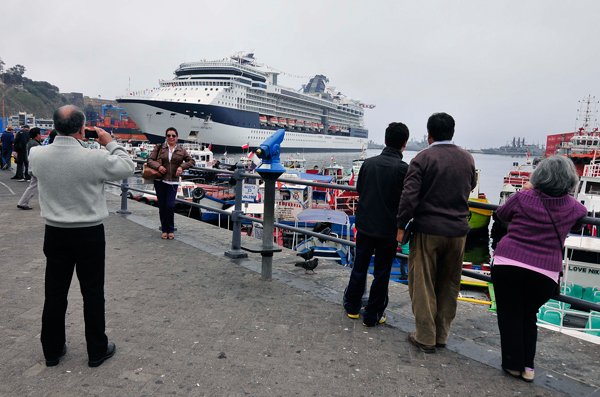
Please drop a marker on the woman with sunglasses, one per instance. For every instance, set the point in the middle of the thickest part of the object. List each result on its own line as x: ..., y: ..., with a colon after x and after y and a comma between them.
x: 170, y: 159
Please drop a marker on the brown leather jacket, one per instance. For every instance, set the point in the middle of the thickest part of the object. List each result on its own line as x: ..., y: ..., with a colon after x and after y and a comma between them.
x: 180, y: 158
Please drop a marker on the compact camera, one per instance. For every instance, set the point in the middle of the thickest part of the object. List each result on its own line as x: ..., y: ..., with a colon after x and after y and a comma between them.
x: 91, y: 133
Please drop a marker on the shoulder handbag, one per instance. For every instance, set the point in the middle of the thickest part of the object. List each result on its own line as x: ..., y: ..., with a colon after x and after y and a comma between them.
x: 148, y: 173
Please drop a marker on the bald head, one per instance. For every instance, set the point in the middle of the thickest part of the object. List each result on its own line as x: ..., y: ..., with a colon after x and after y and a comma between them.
x: 68, y: 120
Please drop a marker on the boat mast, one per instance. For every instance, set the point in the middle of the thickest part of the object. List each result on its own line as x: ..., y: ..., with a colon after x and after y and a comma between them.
x: 588, y: 115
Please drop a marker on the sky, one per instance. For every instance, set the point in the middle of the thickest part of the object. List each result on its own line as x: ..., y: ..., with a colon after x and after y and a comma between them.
x: 500, y: 68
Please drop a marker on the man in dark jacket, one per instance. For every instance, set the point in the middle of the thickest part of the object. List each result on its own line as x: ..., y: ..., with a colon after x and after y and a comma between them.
x: 20, y: 145
x: 379, y: 186
x: 436, y: 190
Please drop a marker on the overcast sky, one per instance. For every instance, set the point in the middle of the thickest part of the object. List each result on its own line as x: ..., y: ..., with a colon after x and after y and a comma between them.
x: 501, y: 68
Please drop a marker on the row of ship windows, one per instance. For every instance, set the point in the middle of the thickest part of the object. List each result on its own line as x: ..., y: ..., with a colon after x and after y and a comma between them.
x: 191, y: 88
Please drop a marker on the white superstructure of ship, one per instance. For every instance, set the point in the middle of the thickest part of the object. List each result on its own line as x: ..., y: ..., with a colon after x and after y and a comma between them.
x: 234, y: 102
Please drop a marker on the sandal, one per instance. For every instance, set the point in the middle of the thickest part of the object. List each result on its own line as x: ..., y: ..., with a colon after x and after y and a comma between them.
x: 171, y: 236
x: 163, y: 236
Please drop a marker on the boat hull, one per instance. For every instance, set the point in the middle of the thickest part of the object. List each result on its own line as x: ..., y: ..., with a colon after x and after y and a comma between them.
x: 226, y: 129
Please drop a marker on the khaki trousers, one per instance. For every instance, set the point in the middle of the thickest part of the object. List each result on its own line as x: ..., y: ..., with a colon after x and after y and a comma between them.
x: 434, y: 270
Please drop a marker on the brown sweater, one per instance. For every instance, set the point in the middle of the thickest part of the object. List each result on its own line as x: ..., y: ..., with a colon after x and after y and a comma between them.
x: 436, y: 190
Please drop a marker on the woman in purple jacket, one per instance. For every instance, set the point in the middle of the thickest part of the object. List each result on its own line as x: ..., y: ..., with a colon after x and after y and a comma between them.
x: 528, y: 260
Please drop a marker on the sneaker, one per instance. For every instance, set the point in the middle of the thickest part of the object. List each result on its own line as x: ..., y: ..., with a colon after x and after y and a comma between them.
x: 23, y: 180
x: 528, y: 375
x: 16, y: 177
x: 24, y: 207
x: 353, y: 316
x: 424, y: 348
x: 380, y: 321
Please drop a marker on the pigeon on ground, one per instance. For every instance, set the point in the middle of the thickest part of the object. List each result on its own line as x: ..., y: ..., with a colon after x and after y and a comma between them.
x: 308, y: 254
x: 308, y: 265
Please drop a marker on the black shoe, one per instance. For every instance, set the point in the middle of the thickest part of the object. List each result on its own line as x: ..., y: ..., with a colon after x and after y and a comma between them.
x: 440, y: 345
x: 110, y: 351
x: 17, y: 177
x: 24, y: 207
x: 54, y: 361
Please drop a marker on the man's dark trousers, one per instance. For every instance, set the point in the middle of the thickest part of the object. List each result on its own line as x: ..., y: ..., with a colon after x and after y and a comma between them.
x: 22, y: 165
x: 82, y: 250
x: 385, y: 251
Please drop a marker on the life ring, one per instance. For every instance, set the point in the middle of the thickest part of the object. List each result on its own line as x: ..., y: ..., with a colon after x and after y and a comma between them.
x: 296, y: 196
x: 198, y: 194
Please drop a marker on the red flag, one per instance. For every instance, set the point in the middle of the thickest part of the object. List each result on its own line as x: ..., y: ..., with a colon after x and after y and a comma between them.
x: 246, y: 146
x: 351, y: 181
x: 210, y: 147
x: 250, y: 154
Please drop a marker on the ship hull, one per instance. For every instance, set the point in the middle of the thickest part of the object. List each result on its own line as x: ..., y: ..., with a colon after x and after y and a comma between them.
x: 224, y: 128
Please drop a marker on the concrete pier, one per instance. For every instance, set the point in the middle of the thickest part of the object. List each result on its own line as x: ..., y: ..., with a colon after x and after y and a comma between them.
x: 189, y: 321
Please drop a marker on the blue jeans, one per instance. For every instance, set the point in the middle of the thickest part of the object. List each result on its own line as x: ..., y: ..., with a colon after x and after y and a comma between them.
x: 385, y: 251
x: 165, y: 194
x: 6, y: 155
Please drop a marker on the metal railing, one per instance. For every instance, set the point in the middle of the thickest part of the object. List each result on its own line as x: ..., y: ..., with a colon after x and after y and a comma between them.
x: 237, y: 216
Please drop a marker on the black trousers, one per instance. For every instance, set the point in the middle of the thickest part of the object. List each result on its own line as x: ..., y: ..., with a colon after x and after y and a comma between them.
x: 82, y: 250
x: 165, y: 194
x: 385, y: 251
x: 519, y: 294
x: 22, y: 165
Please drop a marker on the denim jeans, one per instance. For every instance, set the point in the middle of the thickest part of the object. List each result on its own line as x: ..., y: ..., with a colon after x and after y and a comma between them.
x: 165, y: 194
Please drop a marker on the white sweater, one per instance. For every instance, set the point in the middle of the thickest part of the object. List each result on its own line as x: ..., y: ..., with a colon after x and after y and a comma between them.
x: 71, y: 180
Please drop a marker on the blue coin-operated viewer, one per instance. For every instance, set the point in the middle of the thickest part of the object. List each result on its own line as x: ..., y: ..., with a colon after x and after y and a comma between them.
x: 269, y: 152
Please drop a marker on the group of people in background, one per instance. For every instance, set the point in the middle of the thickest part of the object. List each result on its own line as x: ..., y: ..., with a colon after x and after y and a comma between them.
x: 18, y: 144
x: 431, y: 195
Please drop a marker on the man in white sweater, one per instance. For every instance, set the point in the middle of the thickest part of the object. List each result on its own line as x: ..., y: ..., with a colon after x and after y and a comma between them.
x: 71, y: 191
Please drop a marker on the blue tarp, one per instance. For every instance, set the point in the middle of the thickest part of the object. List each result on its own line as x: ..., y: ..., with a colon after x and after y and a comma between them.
x: 316, y: 177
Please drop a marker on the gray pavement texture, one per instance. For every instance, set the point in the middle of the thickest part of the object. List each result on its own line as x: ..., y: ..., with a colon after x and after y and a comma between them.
x: 188, y: 321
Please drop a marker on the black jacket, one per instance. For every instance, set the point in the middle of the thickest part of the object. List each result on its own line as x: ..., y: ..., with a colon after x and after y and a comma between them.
x: 379, y: 186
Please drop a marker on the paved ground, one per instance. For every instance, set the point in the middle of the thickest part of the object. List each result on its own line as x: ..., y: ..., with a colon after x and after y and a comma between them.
x: 189, y: 321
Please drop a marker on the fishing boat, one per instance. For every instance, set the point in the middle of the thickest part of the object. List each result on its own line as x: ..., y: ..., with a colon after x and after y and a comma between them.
x: 226, y: 102
x: 516, y: 178
x: 324, y: 249
x: 479, y: 219
x: 583, y: 145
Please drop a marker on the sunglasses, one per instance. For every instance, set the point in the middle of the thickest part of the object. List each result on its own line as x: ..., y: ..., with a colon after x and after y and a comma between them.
x: 171, y: 136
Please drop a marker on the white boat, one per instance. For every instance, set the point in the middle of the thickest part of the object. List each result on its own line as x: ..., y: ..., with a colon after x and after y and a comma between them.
x: 588, y: 191
x: 516, y: 178
x: 226, y: 102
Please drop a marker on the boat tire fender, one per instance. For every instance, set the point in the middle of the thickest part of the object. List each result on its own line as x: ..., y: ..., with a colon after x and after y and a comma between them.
x: 198, y: 194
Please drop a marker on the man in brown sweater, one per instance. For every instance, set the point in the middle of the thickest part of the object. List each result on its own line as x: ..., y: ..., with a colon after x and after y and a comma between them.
x: 436, y: 190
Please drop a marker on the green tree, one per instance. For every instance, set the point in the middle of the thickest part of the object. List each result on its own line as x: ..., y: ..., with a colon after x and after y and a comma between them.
x: 14, y: 75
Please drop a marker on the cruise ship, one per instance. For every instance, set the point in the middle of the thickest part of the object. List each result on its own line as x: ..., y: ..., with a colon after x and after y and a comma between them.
x: 236, y: 103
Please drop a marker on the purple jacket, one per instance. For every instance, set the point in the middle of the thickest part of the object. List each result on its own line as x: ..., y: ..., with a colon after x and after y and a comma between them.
x: 531, y: 238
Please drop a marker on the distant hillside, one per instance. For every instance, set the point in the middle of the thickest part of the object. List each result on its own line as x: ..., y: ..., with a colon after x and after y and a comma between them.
x: 37, y: 97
